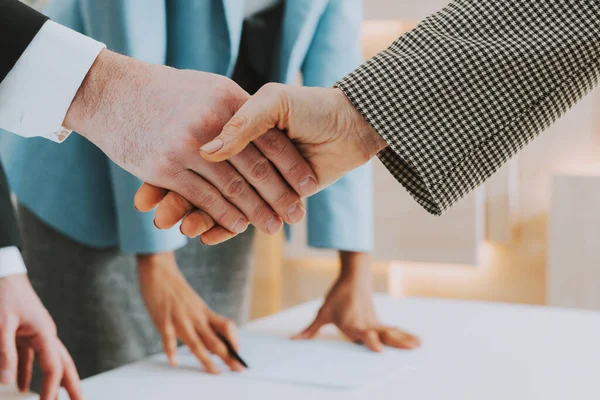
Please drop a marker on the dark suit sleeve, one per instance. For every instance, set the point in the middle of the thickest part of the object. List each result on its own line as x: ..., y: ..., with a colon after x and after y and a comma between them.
x: 9, y: 235
x: 18, y: 26
x: 471, y: 85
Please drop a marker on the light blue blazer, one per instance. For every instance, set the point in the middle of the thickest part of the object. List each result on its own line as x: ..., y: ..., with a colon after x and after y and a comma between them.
x: 76, y: 189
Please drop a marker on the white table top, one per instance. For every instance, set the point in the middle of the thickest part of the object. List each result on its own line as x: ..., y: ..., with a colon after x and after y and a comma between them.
x: 475, y: 351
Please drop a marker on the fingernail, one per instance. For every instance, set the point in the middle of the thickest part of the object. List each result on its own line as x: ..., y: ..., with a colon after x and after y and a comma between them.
x: 213, y: 146
x: 274, y: 224
x: 7, y: 377
x: 240, y: 226
x: 308, y: 186
x: 237, y: 367
x: 295, y: 213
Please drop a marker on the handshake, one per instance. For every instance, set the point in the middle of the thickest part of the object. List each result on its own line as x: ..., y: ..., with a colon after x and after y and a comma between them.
x: 213, y: 156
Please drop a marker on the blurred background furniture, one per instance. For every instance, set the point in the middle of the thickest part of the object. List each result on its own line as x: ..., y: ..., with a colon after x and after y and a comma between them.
x: 574, y: 242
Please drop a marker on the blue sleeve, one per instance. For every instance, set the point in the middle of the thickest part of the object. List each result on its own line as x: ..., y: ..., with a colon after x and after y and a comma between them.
x: 136, y: 230
x: 340, y: 217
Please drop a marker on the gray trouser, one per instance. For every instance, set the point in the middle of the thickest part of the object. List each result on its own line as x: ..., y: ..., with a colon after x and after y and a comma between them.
x: 94, y: 298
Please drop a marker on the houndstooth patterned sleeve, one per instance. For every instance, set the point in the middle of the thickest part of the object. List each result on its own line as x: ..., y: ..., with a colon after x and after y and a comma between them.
x: 471, y: 85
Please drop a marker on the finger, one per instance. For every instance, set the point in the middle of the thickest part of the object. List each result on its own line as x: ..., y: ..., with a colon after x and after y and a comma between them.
x: 216, y: 235
x: 367, y: 337
x: 232, y: 185
x: 188, y: 335
x: 26, y: 356
x: 8, y: 352
x: 312, y: 330
x: 280, y: 150
x: 216, y: 346
x: 227, y: 328
x: 371, y: 340
x: 206, y: 197
x: 147, y: 197
x: 171, y: 209
x: 259, y: 114
x: 49, y: 359
x: 196, y: 223
x: 269, y: 184
x: 394, y: 337
x: 169, y: 342
x: 71, y: 381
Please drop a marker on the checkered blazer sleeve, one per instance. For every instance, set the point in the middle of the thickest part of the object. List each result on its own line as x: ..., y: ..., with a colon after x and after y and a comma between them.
x: 471, y: 85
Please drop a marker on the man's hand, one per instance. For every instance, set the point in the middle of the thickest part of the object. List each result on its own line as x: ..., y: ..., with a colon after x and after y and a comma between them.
x: 329, y: 132
x: 152, y: 120
x: 178, y: 312
x: 27, y: 332
x: 349, y: 306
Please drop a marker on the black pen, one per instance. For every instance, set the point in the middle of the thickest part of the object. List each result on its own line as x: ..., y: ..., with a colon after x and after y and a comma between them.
x: 231, y: 350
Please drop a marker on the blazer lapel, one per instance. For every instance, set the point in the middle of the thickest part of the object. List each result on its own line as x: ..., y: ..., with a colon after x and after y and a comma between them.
x: 299, y: 23
x: 133, y: 27
x: 234, y: 14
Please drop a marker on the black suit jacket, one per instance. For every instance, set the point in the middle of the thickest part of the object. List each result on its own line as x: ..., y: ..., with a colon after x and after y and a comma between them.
x: 9, y: 235
x: 18, y: 26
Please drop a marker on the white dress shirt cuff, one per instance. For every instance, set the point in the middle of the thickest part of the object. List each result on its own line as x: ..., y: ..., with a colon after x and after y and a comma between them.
x: 11, y: 262
x: 38, y: 91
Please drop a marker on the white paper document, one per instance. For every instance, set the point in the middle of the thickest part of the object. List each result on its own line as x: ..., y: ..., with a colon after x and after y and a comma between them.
x: 317, y: 362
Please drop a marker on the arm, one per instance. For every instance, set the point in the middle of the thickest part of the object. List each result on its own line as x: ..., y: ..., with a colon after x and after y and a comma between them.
x: 25, y: 325
x: 449, y: 101
x: 471, y: 85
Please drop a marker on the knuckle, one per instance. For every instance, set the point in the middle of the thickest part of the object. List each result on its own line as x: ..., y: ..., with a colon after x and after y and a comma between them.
x: 270, y: 89
x: 298, y: 167
x: 236, y: 187
x: 51, y: 368
x: 209, y: 199
x: 236, y: 123
x: 228, y: 325
x: 208, y: 221
x: 261, y: 212
x: 287, y: 197
x: 261, y: 170
x: 174, y: 200
x: 273, y: 143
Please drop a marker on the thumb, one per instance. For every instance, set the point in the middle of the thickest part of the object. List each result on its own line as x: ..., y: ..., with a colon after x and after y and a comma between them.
x: 8, y: 353
x: 260, y: 113
x: 312, y: 330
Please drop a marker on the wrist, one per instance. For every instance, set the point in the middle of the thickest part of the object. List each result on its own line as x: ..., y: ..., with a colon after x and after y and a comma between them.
x: 109, y: 79
x: 154, y: 261
x: 354, y: 266
x: 367, y: 140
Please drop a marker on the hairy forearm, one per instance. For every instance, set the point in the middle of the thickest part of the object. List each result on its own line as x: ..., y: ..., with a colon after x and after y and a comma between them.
x: 112, y: 84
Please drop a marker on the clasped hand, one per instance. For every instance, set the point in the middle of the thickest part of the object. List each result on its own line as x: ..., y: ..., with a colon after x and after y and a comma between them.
x: 224, y: 155
x: 325, y: 138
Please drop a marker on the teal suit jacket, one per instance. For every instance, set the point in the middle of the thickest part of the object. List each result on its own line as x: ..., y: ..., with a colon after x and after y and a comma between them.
x: 76, y: 189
